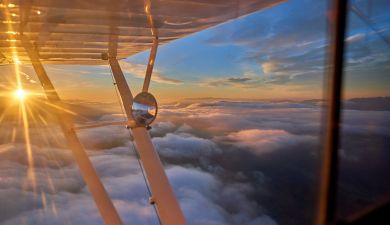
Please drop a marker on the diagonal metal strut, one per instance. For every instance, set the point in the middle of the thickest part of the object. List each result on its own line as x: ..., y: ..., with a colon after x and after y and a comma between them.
x: 163, y: 196
x: 327, y: 199
x: 95, y: 186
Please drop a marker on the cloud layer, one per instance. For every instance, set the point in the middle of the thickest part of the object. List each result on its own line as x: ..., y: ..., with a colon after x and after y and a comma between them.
x: 229, y: 162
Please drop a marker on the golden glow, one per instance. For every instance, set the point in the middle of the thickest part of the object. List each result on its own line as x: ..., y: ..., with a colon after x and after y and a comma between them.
x: 16, y: 60
x: 20, y: 94
x: 8, y: 21
x: 11, y: 32
x: 38, y: 12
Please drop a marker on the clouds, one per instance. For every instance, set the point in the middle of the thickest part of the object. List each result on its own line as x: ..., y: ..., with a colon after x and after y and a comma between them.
x: 355, y: 38
x: 238, y: 82
x: 275, y: 146
x: 275, y: 68
x: 281, y: 38
x: 185, y: 145
x: 222, y: 117
x: 219, y: 204
x: 62, y: 197
x: 199, y: 193
x: 274, y: 46
x: 270, y: 67
x: 263, y: 141
x: 291, y: 47
x: 278, y: 30
x: 197, y: 179
x: 230, y: 162
x: 138, y: 70
x: 104, y: 137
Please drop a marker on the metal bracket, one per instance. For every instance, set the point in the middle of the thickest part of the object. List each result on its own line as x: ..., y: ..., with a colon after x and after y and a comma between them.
x: 131, y: 124
x: 152, y: 201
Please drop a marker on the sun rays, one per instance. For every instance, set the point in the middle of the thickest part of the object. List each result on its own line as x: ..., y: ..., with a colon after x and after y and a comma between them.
x: 26, y: 116
x: 20, y: 94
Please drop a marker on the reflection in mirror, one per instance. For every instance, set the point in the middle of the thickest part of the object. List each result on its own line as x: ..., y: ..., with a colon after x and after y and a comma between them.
x: 144, y: 108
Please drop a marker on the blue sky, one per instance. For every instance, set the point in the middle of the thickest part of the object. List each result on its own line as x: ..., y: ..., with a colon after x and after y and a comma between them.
x: 276, y: 53
x: 279, y: 48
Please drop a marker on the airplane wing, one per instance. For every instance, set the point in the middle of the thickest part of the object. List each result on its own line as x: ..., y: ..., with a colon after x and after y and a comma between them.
x: 79, y: 31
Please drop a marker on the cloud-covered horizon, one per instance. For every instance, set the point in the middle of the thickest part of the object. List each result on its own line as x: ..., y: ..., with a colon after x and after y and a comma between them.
x: 229, y: 162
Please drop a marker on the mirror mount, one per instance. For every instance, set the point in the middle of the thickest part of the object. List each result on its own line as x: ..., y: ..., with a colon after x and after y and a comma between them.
x: 144, y: 109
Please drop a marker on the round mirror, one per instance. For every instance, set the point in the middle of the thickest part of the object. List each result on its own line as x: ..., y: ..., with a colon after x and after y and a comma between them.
x: 144, y: 108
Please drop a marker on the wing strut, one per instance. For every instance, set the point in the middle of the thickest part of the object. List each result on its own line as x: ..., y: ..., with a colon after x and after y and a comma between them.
x: 163, y: 196
x: 149, y: 69
x: 95, y: 186
x: 327, y: 194
x: 153, y: 51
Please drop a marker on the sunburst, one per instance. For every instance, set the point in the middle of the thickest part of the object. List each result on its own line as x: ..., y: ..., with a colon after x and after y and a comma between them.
x: 20, y: 94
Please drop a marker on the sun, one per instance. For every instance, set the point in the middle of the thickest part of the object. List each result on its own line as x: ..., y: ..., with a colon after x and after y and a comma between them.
x: 20, y: 94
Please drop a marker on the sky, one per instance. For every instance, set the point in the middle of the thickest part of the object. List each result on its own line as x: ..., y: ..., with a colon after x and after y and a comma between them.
x: 276, y: 53
x: 231, y: 160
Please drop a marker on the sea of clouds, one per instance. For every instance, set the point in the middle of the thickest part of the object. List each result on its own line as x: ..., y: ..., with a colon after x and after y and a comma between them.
x: 229, y: 162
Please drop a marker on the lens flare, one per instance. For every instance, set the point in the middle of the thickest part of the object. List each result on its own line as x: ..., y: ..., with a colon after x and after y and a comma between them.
x: 20, y: 94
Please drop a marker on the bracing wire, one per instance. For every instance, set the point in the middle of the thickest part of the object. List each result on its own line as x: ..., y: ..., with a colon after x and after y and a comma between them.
x: 369, y: 23
x: 118, y: 98
x: 133, y: 145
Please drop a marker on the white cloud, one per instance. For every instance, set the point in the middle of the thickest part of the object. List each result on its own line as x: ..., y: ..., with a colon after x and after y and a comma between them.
x: 67, y: 201
x: 263, y: 141
x: 356, y: 37
x: 198, y: 136
x: 185, y: 146
x: 270, y: 67
x: 138, y: 70
x: 104, y: 137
